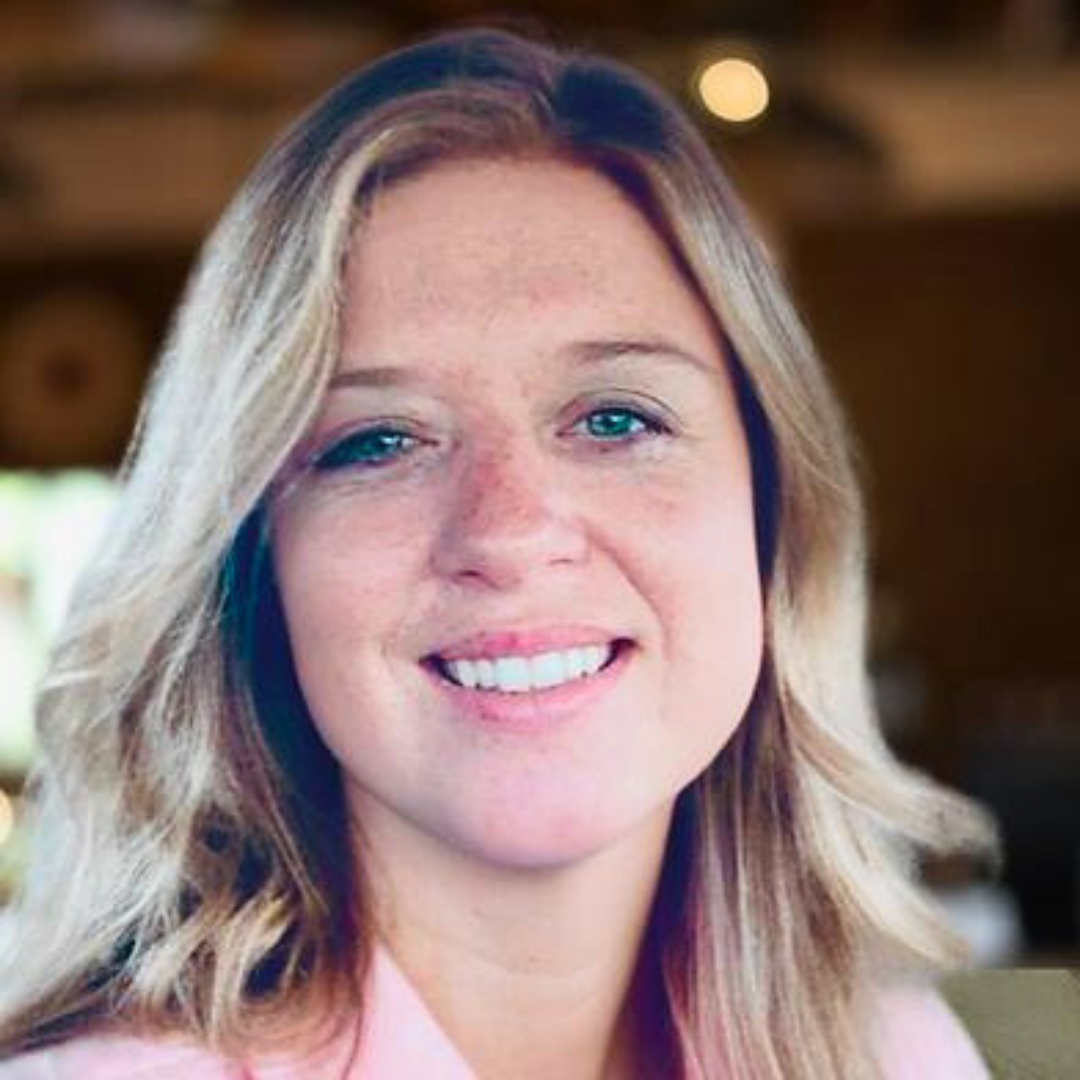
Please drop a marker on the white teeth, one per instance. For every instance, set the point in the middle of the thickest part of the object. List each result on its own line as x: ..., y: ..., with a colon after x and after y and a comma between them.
x: 512, y: 673
x: 466, y: 673
x: 594, y: 658
x: 575, y: 663
x: 519, y: 674
x: 486, y: 670
x: 548, y: 669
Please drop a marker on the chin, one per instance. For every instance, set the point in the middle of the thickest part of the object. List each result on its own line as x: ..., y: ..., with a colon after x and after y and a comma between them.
x: 547, y: 839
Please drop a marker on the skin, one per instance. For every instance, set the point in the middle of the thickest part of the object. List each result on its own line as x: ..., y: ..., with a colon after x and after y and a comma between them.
x: 512, y: 874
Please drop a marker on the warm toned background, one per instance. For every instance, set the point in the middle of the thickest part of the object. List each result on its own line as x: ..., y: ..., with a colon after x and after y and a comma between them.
x: 917, y: 171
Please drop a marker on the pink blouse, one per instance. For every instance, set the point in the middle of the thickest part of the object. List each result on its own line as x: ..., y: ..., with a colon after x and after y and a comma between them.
x: 919, y: 1039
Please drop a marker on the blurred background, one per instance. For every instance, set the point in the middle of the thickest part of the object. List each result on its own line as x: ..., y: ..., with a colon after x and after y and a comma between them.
x: 915, y: 165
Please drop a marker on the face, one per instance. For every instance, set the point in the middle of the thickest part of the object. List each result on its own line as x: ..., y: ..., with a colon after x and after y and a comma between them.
x: 530, y: 462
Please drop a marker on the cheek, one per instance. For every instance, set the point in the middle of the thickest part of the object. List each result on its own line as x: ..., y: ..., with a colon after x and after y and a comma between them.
x: 338, y: 566
x: 345, y: 589
x: 707, y: 597
x: 721, y: 582
x: 700, y: 532
x: 345, y: 592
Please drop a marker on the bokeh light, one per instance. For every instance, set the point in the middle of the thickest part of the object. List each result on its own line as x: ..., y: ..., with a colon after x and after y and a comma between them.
x: 734, y: 90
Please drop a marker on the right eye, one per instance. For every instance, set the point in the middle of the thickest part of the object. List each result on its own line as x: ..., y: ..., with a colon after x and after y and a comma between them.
x: 370, y: 449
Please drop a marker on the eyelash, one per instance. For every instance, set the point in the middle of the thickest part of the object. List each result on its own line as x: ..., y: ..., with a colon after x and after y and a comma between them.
x: 339, y: 456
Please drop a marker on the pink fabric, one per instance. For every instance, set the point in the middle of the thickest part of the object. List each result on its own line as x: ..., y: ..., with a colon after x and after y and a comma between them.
x: 918, y: 1036
x: 401, y: 1039
x: 102, y: 1057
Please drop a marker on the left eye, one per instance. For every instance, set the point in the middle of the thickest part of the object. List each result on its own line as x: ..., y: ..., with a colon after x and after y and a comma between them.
x: 617, y: 423
x: 366, y: 449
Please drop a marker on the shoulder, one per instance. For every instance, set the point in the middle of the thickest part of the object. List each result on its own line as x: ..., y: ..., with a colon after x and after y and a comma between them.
x: 120, y: 1057
x: 918, y: 1037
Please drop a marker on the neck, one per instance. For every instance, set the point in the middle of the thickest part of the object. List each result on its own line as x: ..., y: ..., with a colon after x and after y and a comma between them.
x: 531, y: 973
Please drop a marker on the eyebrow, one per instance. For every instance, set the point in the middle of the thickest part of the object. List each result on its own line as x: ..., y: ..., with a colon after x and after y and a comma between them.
x: 587, y: 353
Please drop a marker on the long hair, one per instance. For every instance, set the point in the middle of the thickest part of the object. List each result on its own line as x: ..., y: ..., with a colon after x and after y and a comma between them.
x: 189, y: 864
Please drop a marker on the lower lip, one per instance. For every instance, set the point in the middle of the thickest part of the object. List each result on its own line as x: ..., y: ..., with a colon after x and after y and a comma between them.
x: 536, y: 710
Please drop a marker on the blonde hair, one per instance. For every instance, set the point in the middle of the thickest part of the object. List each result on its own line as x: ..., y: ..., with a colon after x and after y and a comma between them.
x: 190, y: 866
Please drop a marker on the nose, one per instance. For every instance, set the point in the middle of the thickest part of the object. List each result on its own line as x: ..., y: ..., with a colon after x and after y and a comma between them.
x: 507, y: 517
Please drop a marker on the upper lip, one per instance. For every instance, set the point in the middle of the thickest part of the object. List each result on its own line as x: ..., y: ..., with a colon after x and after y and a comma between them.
x: 523, y: 641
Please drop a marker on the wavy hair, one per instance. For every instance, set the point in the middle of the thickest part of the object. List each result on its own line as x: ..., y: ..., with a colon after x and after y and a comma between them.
x: 190, y: 868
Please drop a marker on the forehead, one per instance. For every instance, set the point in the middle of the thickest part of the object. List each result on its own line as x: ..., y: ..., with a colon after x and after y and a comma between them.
x: 488, y: 238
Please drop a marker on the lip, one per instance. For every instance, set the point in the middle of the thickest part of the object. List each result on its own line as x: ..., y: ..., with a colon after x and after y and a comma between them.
x: 537, y: 710
x: 524, y: 642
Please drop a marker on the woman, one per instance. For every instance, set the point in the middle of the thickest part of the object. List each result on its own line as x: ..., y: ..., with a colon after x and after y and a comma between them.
x: 473, y: 681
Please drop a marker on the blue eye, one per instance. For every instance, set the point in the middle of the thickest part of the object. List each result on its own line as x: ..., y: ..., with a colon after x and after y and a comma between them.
x: 365, y: 449
x: 617, y: 423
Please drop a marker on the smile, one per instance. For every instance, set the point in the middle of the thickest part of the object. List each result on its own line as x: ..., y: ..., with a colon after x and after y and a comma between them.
x: 515, y: 704
x: 524, y: 674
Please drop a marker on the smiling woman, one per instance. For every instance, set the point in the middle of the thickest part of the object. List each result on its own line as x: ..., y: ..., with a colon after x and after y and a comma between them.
x: 539, y: 504
x: 472, y: 683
